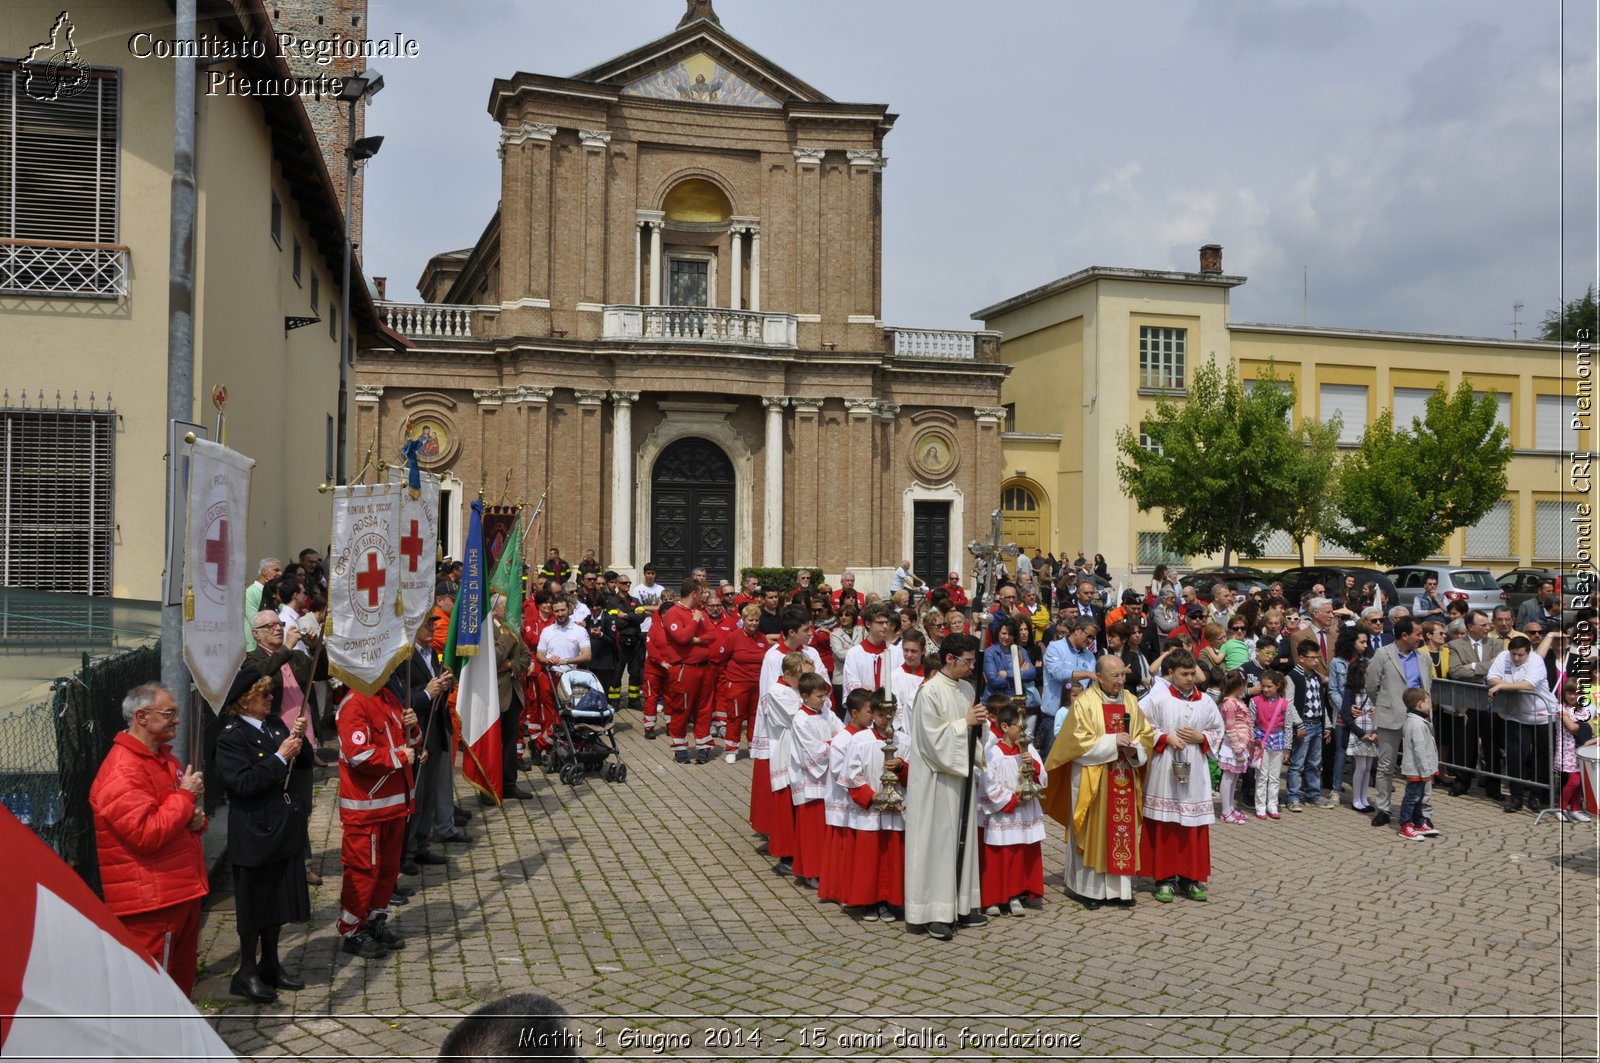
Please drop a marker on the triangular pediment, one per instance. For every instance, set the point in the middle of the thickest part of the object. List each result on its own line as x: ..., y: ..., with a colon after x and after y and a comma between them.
x: 701, y: 63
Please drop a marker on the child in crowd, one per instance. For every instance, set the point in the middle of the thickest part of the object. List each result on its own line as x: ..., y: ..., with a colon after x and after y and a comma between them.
x: 871, y: 873
x: 858, y: 717
x: 1266, y: 653
x: 1362, y: 747
x: 774, y: 719
x: 1234, y: 753
x: 1419, y: 763
x: 1271, y: 732
x: 809, y: 738
x: 1236, y: 650
x: 1576, y: 728
x: 1011, y: 867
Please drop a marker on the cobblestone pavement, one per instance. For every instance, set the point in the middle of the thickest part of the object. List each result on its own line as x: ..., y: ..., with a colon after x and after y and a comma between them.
x: 645, y: 909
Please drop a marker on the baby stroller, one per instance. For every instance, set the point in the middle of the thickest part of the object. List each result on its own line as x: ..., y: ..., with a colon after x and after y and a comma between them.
x: 583, y: 739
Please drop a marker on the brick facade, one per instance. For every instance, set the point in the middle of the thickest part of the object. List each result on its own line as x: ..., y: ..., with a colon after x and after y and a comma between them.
x: 588, y: 164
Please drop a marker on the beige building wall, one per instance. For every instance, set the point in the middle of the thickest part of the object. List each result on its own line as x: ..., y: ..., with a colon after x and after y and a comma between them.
x: 1074, y: 346
x: 282, y: 387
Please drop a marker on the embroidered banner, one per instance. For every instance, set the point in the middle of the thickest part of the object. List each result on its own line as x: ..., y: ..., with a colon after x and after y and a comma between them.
x: 367, y: 636
x: 215, y: 568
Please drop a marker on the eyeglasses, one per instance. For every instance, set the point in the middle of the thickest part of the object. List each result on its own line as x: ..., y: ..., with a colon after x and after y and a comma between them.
x: 1236, y: 627
x: 168, y: 714
x: 267, y: 627
x: 1533, y: 631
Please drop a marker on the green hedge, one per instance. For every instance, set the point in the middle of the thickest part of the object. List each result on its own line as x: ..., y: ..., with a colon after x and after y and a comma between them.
x: 779, y: 579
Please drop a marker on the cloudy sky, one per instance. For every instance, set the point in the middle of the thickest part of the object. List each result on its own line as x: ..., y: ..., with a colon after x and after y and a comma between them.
x: 1407, y: 156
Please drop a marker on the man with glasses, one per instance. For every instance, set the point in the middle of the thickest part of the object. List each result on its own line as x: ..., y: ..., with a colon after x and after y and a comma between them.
x: 1104, y: 744
x: 872, y: 662
x: 1428, y: 605
x: 147, y: 827
x: 941, y: 806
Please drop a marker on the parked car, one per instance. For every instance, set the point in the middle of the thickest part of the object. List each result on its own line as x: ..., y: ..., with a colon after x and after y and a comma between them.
x: 1241, y: 578
x: 1475, y: 586
x: 1298, y: 581
x: 1520, y: 584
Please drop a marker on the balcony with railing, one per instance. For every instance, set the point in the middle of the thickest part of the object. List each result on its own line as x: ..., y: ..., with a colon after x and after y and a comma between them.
x: 943, y: 344
x: 431, y: 321
x: 700, y: 324
x: 63, y: 269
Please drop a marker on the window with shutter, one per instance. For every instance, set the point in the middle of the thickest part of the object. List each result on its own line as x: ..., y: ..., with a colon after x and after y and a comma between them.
x: 1409, y: 404
x: 1555, y: 531
x: 1491, y: 536
x: 1502, y: 409
x: 1349, y: 401
x: 1152, y: 551
x: 1552, y: 422
x: 55, y: 513
x: 59, y: 164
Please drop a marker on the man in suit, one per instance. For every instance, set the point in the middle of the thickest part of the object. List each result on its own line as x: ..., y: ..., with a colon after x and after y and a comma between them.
x: 1470, y: 659
x: 1395, y: 669
x: 432, y: 819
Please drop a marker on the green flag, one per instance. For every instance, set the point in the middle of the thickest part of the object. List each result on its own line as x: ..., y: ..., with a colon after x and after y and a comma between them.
x: 507, y: 578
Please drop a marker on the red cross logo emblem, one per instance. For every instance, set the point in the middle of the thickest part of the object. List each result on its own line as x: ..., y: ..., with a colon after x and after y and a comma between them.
x: 217, y: 552
x: 371, y: 579
x: 411, y: 547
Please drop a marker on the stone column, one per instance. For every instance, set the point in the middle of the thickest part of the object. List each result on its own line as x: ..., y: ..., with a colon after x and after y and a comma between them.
x: 808, y: 226
x: 367, y: 423
x: 589, y: 473
x: 592, y: 286
x: 736, y: 274
x: 489, y: 401
x: 755, y: 268
x: 807, y: 459
x: 865, y: 166
x: 638, y: 256
x: 655, y: 263
x: 889, y: 502
x: 620, y: 556
x: 772, y: 514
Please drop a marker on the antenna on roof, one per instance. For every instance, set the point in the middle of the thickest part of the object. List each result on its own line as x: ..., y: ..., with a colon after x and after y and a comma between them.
x: 1516, y: 317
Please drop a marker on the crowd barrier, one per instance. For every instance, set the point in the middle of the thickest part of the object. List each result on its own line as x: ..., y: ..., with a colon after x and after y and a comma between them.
x: 1472, y: 728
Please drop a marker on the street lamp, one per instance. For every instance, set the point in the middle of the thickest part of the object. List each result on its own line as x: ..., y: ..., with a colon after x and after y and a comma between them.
x: 363, y: 86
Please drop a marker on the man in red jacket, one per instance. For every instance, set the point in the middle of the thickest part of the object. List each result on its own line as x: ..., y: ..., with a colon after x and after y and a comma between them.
x: 378, y: 740
x: 692, y: 638
x: 147, y: 827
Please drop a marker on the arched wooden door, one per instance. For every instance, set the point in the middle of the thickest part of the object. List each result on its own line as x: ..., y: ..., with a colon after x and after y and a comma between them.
x: 691, y: 512
x: 1022, y: 516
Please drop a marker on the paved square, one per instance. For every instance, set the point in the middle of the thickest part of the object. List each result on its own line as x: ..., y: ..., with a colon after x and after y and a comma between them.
x: 645, y: 908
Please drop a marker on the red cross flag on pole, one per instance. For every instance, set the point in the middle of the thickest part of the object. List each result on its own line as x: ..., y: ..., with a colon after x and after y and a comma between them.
x: 419, y: 545
x: 216, y: 572
x: 366, y: 586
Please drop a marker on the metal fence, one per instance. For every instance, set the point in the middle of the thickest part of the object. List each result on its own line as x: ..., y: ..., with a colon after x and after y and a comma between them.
x: 1472, y: 728
x: 55, y: 749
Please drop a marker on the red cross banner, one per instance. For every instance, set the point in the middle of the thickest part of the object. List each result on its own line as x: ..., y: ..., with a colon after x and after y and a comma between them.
x: 419, y: 545
x: 216, y: 571
x: 368, y: 638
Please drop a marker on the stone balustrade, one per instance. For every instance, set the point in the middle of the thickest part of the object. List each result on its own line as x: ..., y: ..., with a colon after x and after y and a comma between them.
x: 430, y: 320
x: 697, y: 324
x: 944, y: 344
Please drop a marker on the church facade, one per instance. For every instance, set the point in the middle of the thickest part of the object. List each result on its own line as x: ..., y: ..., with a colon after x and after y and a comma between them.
x: 672, y: 329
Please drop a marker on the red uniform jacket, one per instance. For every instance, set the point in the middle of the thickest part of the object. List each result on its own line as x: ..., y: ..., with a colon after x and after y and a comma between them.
x: 374, y: 777
x: 691, y: 640
x: 149, y: 858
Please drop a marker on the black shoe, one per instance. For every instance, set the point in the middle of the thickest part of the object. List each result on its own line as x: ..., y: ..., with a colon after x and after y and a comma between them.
x: 973, y: 919
x: 810, y: 883
x: 399, y: 901
x: 1089, y: 903
x: 487, y: 800
x: 383, y: 935
x: 252, y: 989
x: 1493, y: 793
x: 427, y: 857
x: 410, y: 867
x: 650, y: 733
x: 703, y: 757
x: 459, y: 837
x: 1032, y: 903
x: 279, y: 978
x: 681, y: 756
x: 1459, y: 789
x: 461, y: 815
x: 363, y: 944
x: 403, y: 891
x: 786, y: 866
x: 521, y: 793
x: 524, y: 764
x: 1512, y: 804
x: 940, y: 931
x: 1381, y: 819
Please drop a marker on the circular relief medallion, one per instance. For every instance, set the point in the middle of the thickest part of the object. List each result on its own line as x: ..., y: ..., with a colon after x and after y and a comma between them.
x: 933, y: 455
x: 438, y: 438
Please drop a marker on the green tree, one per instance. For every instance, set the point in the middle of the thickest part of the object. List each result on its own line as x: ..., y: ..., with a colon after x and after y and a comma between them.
x: 1216, y: 464
x: 1570, y: 322
x: 1309, y: 479
x: 1405, y: 490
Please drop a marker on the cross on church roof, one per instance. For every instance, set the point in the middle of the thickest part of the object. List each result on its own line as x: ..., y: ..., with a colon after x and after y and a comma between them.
x: 699, y: 9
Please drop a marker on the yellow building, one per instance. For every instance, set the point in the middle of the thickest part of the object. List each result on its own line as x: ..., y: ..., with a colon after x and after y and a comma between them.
x: 1095, y: 350
x: 85, y: 209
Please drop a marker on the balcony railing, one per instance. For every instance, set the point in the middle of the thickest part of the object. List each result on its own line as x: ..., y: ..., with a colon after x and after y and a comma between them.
x: 944, y: 344
x: 60, y: 268
x: 697, y: 324
x: 431, y: 320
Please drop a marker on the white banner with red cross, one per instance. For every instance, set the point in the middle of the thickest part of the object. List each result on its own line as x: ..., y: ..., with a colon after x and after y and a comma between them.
x: 215, y: 570
x: 419, y: 545
x: 367, y: 637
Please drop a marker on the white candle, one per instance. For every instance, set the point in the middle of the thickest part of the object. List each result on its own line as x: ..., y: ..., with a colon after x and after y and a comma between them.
x: 1016, y: 668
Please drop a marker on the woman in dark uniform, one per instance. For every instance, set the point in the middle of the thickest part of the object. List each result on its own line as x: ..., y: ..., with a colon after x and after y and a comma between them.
x: 266, y: 829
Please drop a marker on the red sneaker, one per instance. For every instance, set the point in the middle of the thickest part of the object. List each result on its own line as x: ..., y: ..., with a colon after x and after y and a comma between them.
x: 1412, y: 834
